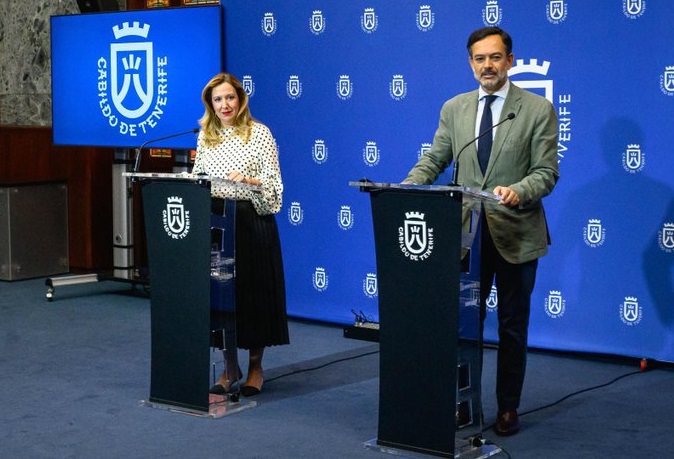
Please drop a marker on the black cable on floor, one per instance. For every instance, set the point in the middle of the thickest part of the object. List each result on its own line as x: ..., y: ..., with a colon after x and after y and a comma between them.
x: 304, y: 370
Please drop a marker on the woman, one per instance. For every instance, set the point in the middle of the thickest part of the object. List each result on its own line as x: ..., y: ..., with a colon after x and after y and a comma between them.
x: 233, y: 145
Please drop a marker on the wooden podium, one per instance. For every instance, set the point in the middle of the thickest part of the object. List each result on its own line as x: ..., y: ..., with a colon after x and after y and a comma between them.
x: 430, y: 339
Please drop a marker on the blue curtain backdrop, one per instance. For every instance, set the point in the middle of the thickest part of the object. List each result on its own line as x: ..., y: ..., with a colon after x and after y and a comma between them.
x: 353, y: 89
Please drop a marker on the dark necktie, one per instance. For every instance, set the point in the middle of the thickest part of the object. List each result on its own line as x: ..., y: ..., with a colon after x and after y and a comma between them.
x: 484, y: 143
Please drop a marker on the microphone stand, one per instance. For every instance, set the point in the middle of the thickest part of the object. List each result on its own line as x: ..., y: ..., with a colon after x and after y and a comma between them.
x: 455, y: 173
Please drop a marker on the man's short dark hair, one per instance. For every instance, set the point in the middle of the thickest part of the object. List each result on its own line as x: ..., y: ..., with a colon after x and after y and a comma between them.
x: 481, y: 34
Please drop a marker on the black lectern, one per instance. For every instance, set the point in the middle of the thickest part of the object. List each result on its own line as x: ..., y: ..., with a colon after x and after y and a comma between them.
x: 430, y: 341
x: 186, y: 287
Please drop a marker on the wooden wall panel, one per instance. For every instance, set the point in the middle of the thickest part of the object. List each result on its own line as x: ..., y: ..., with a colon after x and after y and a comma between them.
x: 28, y: 155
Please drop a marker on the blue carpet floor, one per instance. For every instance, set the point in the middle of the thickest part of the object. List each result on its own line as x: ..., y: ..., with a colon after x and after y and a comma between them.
x: 74, y: 372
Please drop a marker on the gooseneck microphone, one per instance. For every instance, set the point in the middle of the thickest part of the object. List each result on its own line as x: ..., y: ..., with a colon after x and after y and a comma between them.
x: 136, y: 165
x: 455, y: 174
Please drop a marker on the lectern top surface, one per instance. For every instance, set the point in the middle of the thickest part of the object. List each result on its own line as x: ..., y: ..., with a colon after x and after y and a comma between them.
x: 472, y: 192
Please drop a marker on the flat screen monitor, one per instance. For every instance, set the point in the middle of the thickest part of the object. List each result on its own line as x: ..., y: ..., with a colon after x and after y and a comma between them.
x: 121, y: 79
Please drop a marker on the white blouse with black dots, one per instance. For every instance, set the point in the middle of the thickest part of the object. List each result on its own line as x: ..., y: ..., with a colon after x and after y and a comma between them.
x: 257, y: 159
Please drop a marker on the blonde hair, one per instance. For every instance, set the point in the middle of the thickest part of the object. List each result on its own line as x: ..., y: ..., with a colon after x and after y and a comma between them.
x: 211, y: 124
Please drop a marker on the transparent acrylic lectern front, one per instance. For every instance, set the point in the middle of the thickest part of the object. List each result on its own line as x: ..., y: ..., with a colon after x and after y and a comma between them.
x: 428, y: 272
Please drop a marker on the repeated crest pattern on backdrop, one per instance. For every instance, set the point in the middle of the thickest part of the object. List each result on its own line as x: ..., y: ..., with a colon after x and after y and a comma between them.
x: 354, y: 89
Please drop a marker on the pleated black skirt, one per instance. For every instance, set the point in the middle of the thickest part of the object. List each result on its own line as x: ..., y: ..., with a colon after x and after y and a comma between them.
x: 261, y: 318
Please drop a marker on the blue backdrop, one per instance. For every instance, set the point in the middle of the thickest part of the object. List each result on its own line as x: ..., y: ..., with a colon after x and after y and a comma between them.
x: 354, y: 89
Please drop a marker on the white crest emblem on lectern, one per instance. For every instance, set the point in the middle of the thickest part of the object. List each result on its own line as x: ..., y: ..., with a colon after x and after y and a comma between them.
x: 415, y: 238
x: 175, y: 218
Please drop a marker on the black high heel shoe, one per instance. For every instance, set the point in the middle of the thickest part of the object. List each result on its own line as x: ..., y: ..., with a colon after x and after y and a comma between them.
x: 223, y: 389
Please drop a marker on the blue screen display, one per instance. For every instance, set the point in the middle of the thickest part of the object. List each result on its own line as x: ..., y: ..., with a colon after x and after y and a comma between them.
x: 125, y: 78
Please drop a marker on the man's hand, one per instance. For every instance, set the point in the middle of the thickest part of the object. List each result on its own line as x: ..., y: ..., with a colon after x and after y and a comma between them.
x: 508, y: 196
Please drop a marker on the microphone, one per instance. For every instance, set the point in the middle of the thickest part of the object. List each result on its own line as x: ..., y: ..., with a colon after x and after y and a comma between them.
x: 170, y: 136
x: 455, y: 174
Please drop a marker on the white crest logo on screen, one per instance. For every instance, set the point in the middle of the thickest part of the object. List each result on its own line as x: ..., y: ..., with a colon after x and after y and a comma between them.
x: 667, y: 81
x: 547, y: 86
x: 666, y: 237
x: 556, y: 11
x: 415, y: 238
x: 555, y: 304
x: 630, y: 311
x: 492, y: 13
x: 369, y: 21
x: 344, y: 87
x: 633, y: 159
x: 132, y: 82
x: 175, y: 218
x: 425, y: 148
x: 294, y: 87
x: 295, y: 214
x: 248, y: 85
x: 533, y: 67
x: 320, y: 279
x: 398, y: 87
x: 320, y: 152
x: 345, y: 218
x: 594, y: 233
x: 492, y: 299
x: 370, y: 285
x: 317, y: 22
x: 268, y: 24
x: 634, y: 9
x: 425, y: 18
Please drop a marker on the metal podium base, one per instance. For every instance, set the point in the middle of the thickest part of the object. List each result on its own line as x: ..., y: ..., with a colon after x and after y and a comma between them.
x: 219, y: 406
x: 76, y: 279
x: 466, y: 451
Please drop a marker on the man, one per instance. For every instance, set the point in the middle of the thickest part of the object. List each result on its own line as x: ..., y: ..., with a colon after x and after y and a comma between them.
x: 520, y: 166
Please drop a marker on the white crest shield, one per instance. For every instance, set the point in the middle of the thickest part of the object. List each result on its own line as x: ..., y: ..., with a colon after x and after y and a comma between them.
x: 668, y: 237
x: 344, y: 86
x: 425, y: 16
x: 345, y: 217
x: 398, y: 86
x: 268, y: 23
x: 557, y: 9
x: 415, y: 236
x: 317, y: 23
x: 176, y: 217
x: 492, y: 13
x: 630, y: 310
x: 594, y: 232
x: 319, y: 279
x: 555, y: 303
x: 633, y: 6
x: 294, y: 87
x: 132, y: 78
x: 633, y: 157
x: 319, y: 151
x: 371, y: 153
x: 295, y: 213
x: 669, y: 80
x: 369, y: 20
x: 371, y: 285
